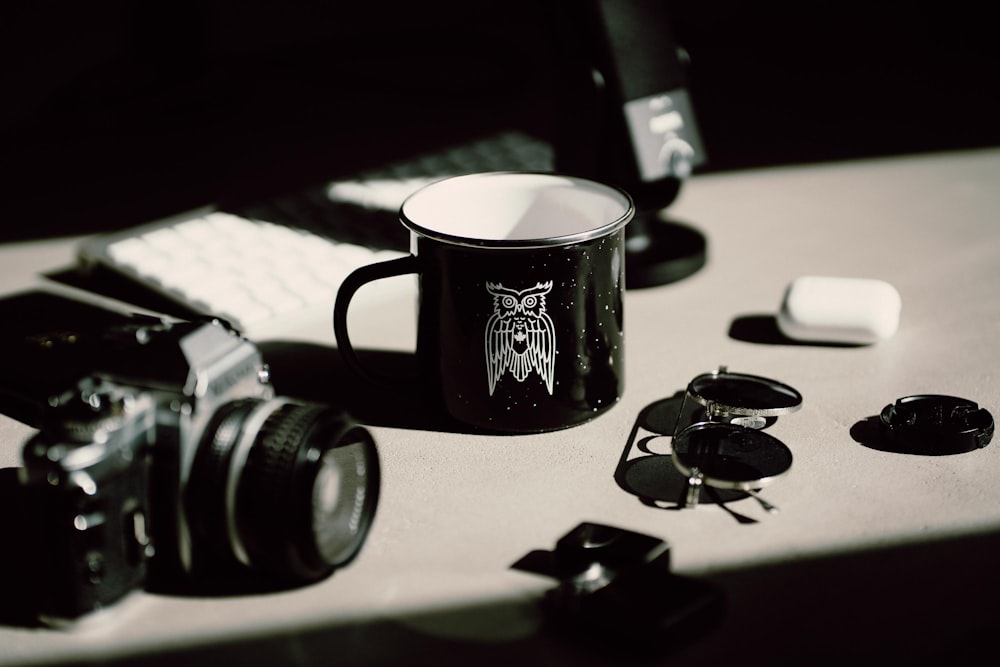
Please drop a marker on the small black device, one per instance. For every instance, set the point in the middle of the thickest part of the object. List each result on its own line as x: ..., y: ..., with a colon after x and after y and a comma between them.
x: 615, y: 589
x: 163, y: 452
x: 935, y: 424
x: 625, y: 117
x: 628, y: 117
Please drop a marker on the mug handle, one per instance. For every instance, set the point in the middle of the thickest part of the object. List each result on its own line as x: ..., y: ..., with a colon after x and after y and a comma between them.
x: 360, y: 276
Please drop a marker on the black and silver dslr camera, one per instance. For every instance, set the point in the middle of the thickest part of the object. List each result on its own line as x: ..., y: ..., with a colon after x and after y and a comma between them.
x: 164, y: 454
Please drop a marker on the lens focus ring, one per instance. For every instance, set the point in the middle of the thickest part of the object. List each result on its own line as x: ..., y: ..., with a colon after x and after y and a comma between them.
x: 275, y: 513
x: 284, y: 489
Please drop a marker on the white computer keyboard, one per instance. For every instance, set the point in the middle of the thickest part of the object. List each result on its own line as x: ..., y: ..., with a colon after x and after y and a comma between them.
x: 279, y: 281
x: 260, y: 276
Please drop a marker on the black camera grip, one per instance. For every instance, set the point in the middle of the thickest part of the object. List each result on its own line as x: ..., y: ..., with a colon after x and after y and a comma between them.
x: 353, y: 282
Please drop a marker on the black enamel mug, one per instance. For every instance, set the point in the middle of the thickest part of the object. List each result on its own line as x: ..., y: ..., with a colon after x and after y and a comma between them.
x: 521, y: 282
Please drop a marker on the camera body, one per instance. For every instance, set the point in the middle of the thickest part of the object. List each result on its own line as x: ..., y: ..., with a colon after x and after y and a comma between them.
x: 120, y: 437
x: 172, y: 459
x: 88, y: 491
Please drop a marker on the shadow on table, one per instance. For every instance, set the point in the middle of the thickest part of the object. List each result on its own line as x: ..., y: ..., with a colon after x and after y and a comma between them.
x: 317, y: 373
x: 647, y: 471
x: 931, y: 603
x: 763, y: 329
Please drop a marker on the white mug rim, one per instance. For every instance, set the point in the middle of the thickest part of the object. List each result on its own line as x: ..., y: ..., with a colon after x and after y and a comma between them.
x: 612, y: 192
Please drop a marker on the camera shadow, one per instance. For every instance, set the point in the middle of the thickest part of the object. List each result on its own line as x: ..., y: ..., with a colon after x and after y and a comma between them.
x: 16, y: 564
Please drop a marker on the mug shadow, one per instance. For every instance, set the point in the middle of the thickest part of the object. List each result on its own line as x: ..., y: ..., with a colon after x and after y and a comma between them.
x: 317, y: 373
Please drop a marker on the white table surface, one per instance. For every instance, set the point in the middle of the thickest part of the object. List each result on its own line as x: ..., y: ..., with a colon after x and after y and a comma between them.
x: 872, y: 555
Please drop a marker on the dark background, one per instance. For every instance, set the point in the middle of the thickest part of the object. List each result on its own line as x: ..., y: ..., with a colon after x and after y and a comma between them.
x: 115, y: 113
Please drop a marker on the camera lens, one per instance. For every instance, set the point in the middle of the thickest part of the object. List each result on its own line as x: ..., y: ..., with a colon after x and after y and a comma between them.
x: 285, y: 488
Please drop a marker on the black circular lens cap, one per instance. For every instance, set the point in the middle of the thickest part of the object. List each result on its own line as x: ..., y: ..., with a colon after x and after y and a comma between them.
x: 936, y: 425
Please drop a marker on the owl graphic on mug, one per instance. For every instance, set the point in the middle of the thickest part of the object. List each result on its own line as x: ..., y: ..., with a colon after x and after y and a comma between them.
x: 520, y: 336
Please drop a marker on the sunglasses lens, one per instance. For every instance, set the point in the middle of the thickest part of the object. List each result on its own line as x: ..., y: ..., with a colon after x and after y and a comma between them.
x: 730, y: 456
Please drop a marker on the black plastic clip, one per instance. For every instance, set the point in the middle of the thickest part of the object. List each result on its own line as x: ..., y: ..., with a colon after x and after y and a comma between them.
x: 936, y: 425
